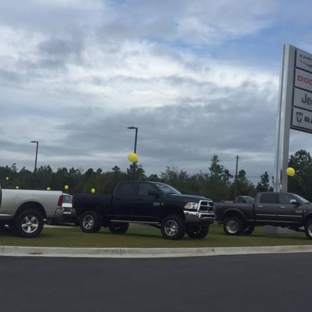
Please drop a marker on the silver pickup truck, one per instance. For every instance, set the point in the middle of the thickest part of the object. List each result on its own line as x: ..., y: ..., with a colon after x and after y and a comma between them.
x: 26, y: 210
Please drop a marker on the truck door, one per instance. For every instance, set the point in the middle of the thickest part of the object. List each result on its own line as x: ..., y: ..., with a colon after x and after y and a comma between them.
x: 289, y: 212
x: 132, y: 202
x: 266, y: 208
x: 125, y: 201
x: 150, y: 206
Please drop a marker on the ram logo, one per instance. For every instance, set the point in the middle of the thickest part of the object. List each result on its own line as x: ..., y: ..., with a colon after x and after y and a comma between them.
x: 158, y: 204
x: 299, y: 116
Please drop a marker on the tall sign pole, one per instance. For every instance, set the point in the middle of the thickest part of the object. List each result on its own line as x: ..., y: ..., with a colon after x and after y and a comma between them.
x: 283, y: 120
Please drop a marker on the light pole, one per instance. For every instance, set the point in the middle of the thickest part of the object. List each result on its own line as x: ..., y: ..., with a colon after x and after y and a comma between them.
x: 236, y: 172
x: 136, y: 137
x: 37, y: 144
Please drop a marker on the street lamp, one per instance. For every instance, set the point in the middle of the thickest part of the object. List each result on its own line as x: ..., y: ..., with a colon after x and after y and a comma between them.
x: 37, y: 143
x: 136, y: 137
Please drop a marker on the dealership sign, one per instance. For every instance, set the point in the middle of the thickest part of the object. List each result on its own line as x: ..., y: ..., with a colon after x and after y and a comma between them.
x: 302, y: 93
x: 302, y: 99
x: 303, y: 60
x: 295, y: 106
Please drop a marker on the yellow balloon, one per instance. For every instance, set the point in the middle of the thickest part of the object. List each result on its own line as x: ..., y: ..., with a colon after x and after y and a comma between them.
x: 290, y: 171
x: 66, y: 187
x: 133, y: 157
x: 93, y: 191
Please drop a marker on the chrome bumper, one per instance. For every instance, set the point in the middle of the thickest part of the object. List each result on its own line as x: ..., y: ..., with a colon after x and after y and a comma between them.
x: 69, y: 212
x: 199, y: 217
x: 204, y: 213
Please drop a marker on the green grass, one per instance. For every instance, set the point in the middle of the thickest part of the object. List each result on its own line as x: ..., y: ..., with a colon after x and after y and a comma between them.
x: 148, y: 237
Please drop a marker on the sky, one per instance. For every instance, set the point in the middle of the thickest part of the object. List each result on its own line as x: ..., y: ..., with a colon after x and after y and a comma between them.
x: 196, y: 77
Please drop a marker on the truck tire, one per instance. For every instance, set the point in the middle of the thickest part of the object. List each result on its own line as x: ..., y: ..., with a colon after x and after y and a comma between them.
x: 248, y: 230
x: 173, y: 227
x: 28, y: 223
x: 308, y: 229
x: 197, y: 231
x: 90, y: 222
x: 118, y: 228
x: 233, y: 226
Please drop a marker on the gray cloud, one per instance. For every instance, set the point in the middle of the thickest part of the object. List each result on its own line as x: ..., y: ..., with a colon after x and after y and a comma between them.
x: 74, y: 76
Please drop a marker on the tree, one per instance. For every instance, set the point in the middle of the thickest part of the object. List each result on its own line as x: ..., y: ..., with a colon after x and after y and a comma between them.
x: 264, y: 184
x: 242, y: 185
x: 218, y: 171
x: 116, y: 170
x: 13, y: 167
x: 219, y: 180
x: 176, y: 178
x: 136, y: 172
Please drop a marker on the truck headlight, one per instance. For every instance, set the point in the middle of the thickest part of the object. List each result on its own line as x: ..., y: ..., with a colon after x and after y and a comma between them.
x: 191, y: 206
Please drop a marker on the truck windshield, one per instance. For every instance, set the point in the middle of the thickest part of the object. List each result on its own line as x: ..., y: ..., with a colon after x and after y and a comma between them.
x: 167, y: 189
x: 301, y: 199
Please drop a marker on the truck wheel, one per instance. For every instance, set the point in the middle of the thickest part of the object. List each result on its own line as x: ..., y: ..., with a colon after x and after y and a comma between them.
x: 173, y: 227
x: 308, y: 229
x: 233, y: 226
x: 197, y: 231
x: 90, y: 222
x: 28, y: 223
x: 248, y: 230
x: 118, y: 228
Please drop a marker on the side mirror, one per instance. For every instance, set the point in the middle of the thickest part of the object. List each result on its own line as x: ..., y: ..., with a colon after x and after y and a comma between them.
x: 293, y: 201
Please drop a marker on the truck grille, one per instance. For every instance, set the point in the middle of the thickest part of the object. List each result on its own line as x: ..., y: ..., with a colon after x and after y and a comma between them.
x: 206, y: 206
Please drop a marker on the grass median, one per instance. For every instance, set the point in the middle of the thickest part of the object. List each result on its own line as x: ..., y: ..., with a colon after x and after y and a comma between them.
x: 148, y: 237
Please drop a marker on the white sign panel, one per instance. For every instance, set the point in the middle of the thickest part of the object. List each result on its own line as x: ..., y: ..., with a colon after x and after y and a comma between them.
x: 303, y: 80
x: 304, y: 60
x: 302, y: 119
x: 303, y: 99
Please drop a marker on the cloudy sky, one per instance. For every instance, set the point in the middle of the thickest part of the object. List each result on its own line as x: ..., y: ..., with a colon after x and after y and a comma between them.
x: 197, y: 77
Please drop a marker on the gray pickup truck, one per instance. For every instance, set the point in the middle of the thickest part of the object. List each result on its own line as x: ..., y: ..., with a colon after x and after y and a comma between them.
x: 269, y: 208
x: 25, y: 210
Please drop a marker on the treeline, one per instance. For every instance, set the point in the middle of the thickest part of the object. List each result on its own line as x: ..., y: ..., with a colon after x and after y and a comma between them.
x: 218, y: 184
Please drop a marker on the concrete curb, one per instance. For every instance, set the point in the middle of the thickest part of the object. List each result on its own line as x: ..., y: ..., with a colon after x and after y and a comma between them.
x: 17, y: 251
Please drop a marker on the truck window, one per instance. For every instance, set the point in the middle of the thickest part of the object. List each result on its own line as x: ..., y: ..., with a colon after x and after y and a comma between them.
x: 127, y: 189
x: 244, y: 199
x: 268, y: 199
x: 167, y: 189
x: 145, y: 188
x: 285, y: 198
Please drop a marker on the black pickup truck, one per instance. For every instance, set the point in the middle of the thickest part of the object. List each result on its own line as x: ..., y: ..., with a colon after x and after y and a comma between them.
x: 269, y: 208
x: 152, y: 203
